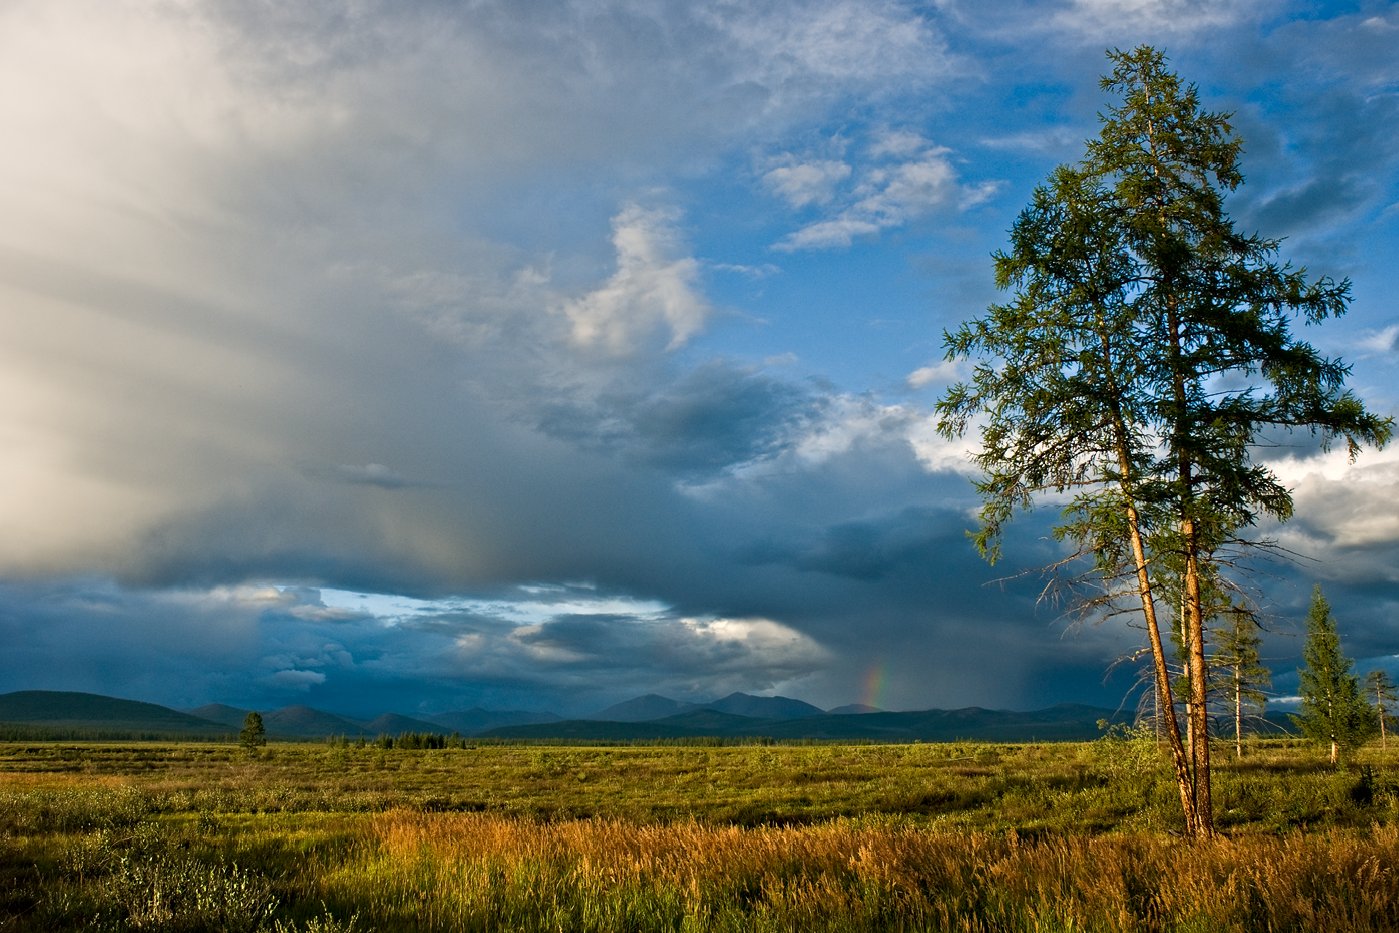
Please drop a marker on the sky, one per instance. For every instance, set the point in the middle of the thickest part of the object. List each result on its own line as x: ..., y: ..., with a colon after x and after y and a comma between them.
x: 425, y: 355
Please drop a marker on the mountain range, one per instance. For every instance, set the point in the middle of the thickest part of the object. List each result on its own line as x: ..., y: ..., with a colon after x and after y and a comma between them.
x: 739, y: 715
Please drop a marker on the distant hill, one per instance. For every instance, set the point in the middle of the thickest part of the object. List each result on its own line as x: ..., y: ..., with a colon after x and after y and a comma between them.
x: 303, y: 722
x: 477, y: 720
x: 713, y: 722
x: 230, y: 716
x: 643, y: 709
x: 56, y: 714
x: 653, y: 706
x: 77, y: 713
x: 394, y: 724
x: 1059, y: 723
x: 853, y: 709
x: 743, y: 704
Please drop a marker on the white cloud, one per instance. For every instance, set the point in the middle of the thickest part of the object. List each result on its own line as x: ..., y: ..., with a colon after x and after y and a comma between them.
x: 804, y: 183
x: 1102, y: 23
x: 852, y: 422
x: 296, y: 679
x: 1099, y: 20
x: 654, y: 289
x: 1334, y: 466
x: 942, y: 371
x: 838, y: 232
x: 1340, y: 504
x: 1056, y: 139
x: 901, y: 178
x: 908, y: 189
x: 1380, y: 341
x: 840, y: 41
x: 936, y: 453
x: 849, y: 421
x: 758, y: 637
x: 898, y: 144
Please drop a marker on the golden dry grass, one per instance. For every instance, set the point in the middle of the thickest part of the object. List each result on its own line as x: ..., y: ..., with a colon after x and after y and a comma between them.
x: 465, y: 871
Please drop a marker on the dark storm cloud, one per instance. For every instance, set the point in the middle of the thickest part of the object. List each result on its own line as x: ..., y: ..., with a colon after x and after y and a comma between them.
x: 870, y: 550
x: 707, y: 419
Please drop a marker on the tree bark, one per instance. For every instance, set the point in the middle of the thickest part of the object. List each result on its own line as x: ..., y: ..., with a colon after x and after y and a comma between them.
x: 1238, y: 712
x: 1197, y: 707
x: 1164, y: 699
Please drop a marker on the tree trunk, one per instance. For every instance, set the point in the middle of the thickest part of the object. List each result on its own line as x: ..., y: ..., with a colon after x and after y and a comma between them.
x: 1197, y: 707
x: 1165, y: 701
x: 1379, y: 706
x: 1238, y: 713
x: 1192, y: 620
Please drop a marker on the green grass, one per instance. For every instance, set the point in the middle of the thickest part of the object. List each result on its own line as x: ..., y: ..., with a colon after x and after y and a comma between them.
x: 959, y: 836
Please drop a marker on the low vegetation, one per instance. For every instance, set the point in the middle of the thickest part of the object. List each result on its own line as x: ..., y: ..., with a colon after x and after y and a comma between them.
x: 957, y: 836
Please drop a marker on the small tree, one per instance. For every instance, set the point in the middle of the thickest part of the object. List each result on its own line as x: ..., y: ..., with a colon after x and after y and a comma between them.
x: 1239, y: 672
x: 1381, y: 689
x: 254, y: 733
x: 1333, y: 712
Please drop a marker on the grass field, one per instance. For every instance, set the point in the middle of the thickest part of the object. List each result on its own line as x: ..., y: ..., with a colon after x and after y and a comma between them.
x: 1077, y: 837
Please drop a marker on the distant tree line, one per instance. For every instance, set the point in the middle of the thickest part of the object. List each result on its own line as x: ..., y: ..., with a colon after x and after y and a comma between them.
x: 410, y: 741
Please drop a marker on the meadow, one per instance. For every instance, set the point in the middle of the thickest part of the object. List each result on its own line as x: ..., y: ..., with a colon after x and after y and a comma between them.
x: 955, y: 836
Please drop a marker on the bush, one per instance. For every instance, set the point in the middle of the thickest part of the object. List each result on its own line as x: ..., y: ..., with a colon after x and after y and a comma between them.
x: 176, y: 894
x: 1128, y: 751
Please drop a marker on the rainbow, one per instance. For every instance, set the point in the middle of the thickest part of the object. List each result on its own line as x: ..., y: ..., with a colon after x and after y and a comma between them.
x: 876, y: 678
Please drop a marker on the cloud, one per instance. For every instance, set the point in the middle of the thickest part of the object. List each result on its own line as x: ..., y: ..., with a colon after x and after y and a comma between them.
x: 297, y: 680
x: 696, y: 657
x: 1051, y: 140
x: 1098, y: 19
x: 942, y: 371
x: 1104, y: 22
x: 654, y: 288
x: 902, y: 178
x: 369, y: 474
x: 1336, y: 501
x: 836, y: 43
x: 1380, y: 342
x: 804, y: 183
x: 707, y: 421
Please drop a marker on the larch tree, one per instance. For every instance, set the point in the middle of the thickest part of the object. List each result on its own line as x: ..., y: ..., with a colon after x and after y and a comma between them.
x: 1333, y: 711
x: 1380, y: 690
x: 1145, y: 347
x: 1239, y: 673
x: 254, y: 733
